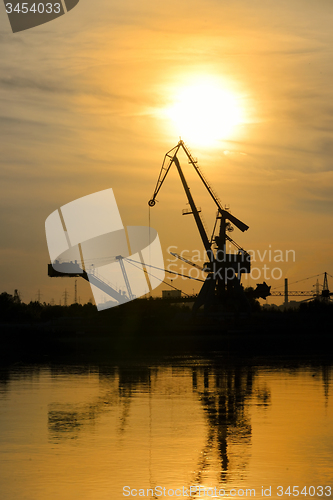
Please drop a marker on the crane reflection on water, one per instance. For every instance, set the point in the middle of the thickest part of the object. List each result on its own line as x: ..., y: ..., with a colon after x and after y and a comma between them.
x: 187, y: 422
x: 223, y: 393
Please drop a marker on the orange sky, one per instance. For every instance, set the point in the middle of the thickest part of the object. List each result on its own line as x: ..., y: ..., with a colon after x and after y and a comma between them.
x: 83, y: 102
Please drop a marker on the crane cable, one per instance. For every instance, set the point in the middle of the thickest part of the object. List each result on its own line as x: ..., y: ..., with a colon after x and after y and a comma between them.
x: 149, y: 230
x: 160, y: 269
x: 304, y: 279
x: 162, y: 281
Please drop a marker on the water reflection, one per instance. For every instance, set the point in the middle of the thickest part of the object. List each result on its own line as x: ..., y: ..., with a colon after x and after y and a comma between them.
x: 326, y: 375
x: 67, y: 420
x: 4, y: 379
x: 188, y: 422
x: 223, y: 393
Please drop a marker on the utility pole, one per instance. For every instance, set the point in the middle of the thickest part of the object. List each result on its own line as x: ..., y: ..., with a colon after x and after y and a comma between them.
x: 325, y: 293
x: 38, y: 294
x: 65, y: 295
x: 317, y: 292
x: 75, y: 292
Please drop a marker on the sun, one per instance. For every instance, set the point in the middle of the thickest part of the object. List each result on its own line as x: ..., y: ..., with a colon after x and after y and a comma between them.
x: 205, y: 113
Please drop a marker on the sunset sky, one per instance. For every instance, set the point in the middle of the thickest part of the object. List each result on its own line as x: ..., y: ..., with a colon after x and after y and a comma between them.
x: 94, y: 99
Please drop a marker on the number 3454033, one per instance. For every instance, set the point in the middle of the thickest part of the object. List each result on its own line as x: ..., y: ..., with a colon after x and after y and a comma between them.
x: 36, y: 8
x: 311, y: 491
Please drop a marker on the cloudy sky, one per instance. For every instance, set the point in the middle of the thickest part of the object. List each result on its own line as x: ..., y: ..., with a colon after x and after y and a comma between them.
x: 94, y: 99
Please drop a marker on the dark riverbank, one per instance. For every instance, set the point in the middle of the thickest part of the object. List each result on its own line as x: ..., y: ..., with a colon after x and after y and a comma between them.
x: 121, y: 333
x: 37, y: 331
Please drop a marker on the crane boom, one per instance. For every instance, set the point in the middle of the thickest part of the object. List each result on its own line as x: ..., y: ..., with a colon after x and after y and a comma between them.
x: 227, y: 215
x: 171, y: 155
x: 195, y: 212
x: 163, y: 173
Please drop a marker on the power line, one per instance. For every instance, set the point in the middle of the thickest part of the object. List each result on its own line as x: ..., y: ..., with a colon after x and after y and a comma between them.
x: 304, y: 279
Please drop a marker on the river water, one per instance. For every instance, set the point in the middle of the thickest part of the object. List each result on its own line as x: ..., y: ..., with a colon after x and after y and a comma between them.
x: 209, y: 428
